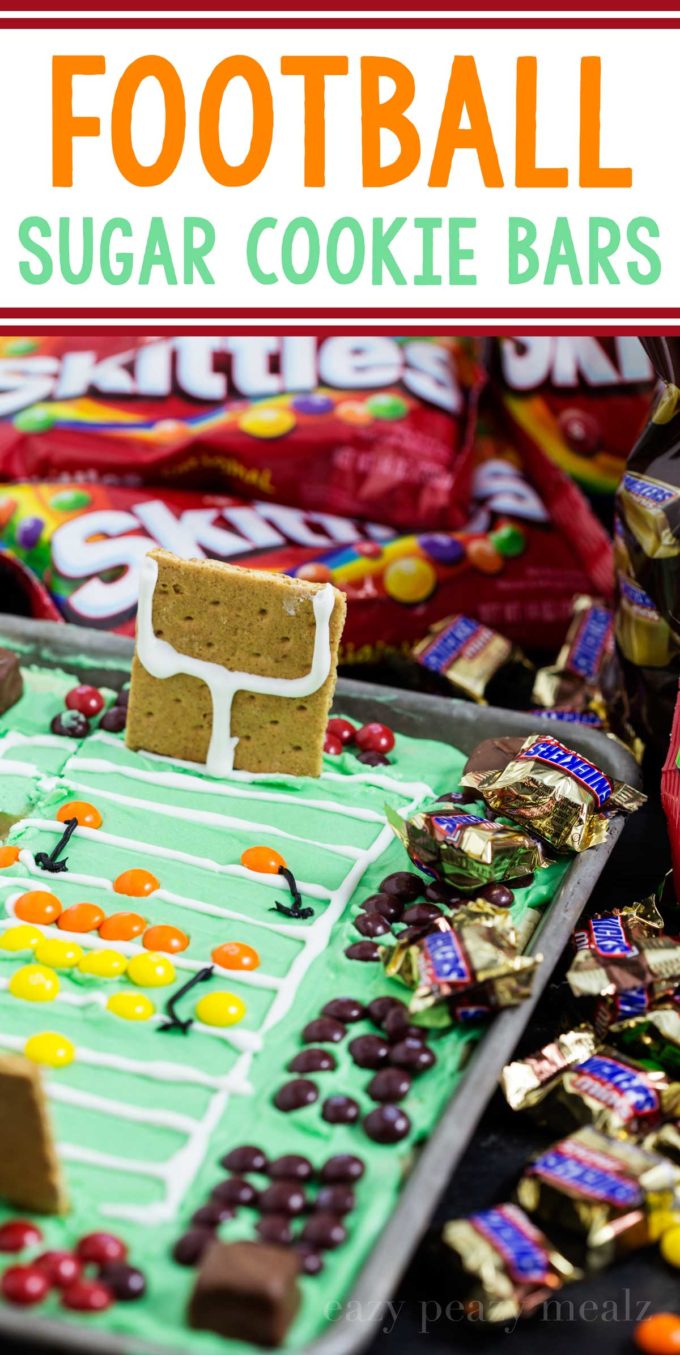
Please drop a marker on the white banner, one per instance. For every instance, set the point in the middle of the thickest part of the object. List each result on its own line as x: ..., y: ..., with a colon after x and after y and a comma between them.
x: 110, y: 167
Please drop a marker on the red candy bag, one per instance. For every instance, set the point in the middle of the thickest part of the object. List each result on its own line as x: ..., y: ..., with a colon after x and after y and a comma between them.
x: 82, y: 545
x: 369, y: 426
x: 579, y: 399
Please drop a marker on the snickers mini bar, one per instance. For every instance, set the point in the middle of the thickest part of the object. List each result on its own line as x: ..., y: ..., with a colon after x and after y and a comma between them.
x: 608, y: 1190
x: 573, y: 683
x: 473, y: 659
x: 510, y: 1266
x: 465, y: 850
x: 605, y: 1088
x: 469, y: 962
x: 619, y: 955
x: 556, y: 793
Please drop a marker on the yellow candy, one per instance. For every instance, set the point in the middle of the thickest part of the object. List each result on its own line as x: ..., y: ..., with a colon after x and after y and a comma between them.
x: 103, y: 964
x: 151, y: 970
x: 131, y: 1006
x: 34, y: 983
x: 410, y: 579
x: 220, y: 1009
x: 50, y: 1048
x: 670, y: 1246
x: 22, y: 937
x: 263, y: 421
x: 58, y: 954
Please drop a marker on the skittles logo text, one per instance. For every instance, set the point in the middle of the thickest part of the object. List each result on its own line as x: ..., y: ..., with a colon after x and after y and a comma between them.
x: 210, y: 370
x: 444, y: 958
x: 587, y: 1175
x: 525, y: 1258
x: 608, y: 936
x: 616, y: 1085
x: 549, y: 750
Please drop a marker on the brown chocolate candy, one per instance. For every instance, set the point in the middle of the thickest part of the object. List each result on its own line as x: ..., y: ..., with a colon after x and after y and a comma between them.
x: 246, y: 1291
x: 11, y: 681
x: 492, y: 755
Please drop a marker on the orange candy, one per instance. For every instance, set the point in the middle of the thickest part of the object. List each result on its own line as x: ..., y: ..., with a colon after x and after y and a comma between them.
x: 37, y: 906
x: 170, y: 940
x: 137, y: 883
x: 658, y: 1334
x: 122, y: 927
x: 81, y: 917
x: 88, y: 815
x: 8, y: 856
x: 484, y: 556
x: 262, y: 859
x: 235, y: 955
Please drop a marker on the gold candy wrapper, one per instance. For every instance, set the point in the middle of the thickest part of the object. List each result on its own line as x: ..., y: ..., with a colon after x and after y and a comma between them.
x: 465, y: 850
x: 610, y: 1191
x: 648, y: 504
x: 644, y: 637
x: 618, y: 955
x: 573, y: 682
x: 512, y: 1266
x: 464, y: 965
x: 468, y: 655
x: 605, y: 1088
x: 665, y: 1140
x: 555, y: 793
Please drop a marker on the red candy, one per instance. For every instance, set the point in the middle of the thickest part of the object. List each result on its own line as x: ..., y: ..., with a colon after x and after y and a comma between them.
x: 88, y: 700
x: 18, y: 1234
x: 61, y: 1268
x: 101, y: 1248
x: 332, y: 745
x: 341, y: 729
x: 87, y: 1296
x: 24, y: 1285
x: 375, y: 738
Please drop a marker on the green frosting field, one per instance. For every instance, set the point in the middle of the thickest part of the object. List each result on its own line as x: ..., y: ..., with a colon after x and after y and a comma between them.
x: 141, y: 1139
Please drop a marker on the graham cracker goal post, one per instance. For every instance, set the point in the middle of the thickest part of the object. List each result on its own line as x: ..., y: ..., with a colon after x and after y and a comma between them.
x: 234, y: 668
x: 30, y: 1174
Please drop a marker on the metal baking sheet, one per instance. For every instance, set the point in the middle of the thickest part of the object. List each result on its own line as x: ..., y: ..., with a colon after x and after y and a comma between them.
x: 104, y: 659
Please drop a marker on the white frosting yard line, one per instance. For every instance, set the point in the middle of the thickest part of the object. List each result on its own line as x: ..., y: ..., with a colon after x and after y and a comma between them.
x: 11, y: 768
x: 156, y: 1070
x: 184, y: 781
x: 15, y: 739
x: 197, y: 816
x: 162, y: 660
x: 90, y: 941
x: 188, y: 1161
x: 191, y: 905
x: 91, y: 1157
x: 241, y: 1040
x: 178, y: 1173
x: 415, y: 790
x: 121, y: 1110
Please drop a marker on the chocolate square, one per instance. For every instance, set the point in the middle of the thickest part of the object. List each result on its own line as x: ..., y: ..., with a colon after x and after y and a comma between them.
x: 11, y: 681
x: 493, y: 755
x: 246, y: 1291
